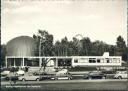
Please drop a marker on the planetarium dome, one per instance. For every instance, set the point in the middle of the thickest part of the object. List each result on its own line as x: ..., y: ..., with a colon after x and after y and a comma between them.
x: 21, y: 46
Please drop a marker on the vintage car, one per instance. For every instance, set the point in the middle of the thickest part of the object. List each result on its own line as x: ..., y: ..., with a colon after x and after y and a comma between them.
x: 29, y: 77
x: 20, y: 72
x: 121, y: 75
x: 109, y: 74
x: 94, y: 75
x: 66, y: 76
x: 12, y: 76
x: 5, y: 73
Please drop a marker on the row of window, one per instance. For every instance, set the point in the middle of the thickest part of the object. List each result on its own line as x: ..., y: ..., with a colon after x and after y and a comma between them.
x: 94, y: 60
x: 61, y: 62
x: 19, y: 62
x: 35, y: 62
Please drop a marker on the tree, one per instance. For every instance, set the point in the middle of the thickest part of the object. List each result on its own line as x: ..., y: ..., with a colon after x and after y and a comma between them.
x: 75, y: 46
x: 121, y: 49
x: 3, y: 54
x: 64, y: 43
x: 57, y: 49
x: 86, y: 46
x: 45, y: 41
x: 99, y: 47
x: 112, y: 50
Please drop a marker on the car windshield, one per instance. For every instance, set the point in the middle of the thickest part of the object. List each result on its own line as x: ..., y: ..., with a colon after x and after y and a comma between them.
x: 121, y: 72
x: 94, y: 72
x: 108, y: 72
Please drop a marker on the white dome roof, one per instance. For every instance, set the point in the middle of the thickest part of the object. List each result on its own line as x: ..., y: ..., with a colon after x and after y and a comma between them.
x: 21, y: 46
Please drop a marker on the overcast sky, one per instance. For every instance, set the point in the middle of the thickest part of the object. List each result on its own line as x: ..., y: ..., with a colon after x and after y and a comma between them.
x: 101, y: 20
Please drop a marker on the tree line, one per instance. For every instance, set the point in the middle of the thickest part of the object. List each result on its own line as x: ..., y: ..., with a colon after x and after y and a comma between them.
x: 75, y: 47
x: 78, y: 47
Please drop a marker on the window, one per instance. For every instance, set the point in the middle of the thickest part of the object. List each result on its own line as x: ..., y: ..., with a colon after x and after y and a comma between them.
x: 31, y: 62
x: 98, y: 60
x: 107, y: 60
x: 82, y: 60
x: 102, y: 60
x: 10, y: 62
x: 18, y: 61
x: 114, y: 60
x: 92, y: 60
x: 110, y: 60
x: 76, y: 61
x: 64, y: 62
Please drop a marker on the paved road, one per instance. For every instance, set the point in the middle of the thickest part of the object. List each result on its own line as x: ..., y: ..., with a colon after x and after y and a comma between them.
x: 70, y: 85
x: 65, y: 81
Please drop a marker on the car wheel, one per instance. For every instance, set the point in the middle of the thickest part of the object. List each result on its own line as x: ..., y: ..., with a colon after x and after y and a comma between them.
x: 103, y: 77
x: 89, y: 78
x: 23, y: 80
x: 69, y: 78
x: 54, y: 78
x: 119, y: 77
x: 37, y: 79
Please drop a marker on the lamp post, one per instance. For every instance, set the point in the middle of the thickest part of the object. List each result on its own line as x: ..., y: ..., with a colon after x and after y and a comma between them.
x: 42, y: 39
x: 127, y: 71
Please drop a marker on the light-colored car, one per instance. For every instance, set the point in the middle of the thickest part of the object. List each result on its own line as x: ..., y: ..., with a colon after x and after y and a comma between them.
x: 61, y: 72
x: 29, y: 77
x: 20, y: 72
x: 4, y: 73
x: 12, y: 76
x: 121, y: 75
x: 66, y: 76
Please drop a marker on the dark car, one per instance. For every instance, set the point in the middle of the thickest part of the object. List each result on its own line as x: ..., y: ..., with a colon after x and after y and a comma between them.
x: 46, y: 77
x: 94, y: 75
x: 109, y: 74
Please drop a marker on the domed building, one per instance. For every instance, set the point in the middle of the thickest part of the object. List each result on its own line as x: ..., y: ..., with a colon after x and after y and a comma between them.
x: 19, y: 50
x: 21, y: 46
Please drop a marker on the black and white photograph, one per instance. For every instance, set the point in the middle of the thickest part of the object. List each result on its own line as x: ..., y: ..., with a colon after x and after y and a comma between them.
x: 64, y: 45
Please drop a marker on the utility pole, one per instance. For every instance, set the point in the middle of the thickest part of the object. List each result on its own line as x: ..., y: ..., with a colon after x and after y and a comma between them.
x: 42, y: 39
x: 39, y: 47
x: 127, y: 47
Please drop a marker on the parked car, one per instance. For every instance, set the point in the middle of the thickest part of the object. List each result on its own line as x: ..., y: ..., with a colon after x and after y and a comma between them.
x: 109, y: 74
x: 66, y: 76
x: 3, y: 78
x: 121, y: 75
x: 20, y: 72
x: 29, y: 77
x: 12, y: 76
x: 94, y: 75
x: 5, y: 73
x: 46, y: 77
x: 62, y: 72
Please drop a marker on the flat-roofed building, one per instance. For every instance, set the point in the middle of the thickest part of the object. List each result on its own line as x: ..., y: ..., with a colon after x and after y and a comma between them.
x: 21, y: 53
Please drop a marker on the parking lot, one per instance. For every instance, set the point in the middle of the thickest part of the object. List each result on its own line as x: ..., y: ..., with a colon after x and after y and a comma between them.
x: 94, y: 80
